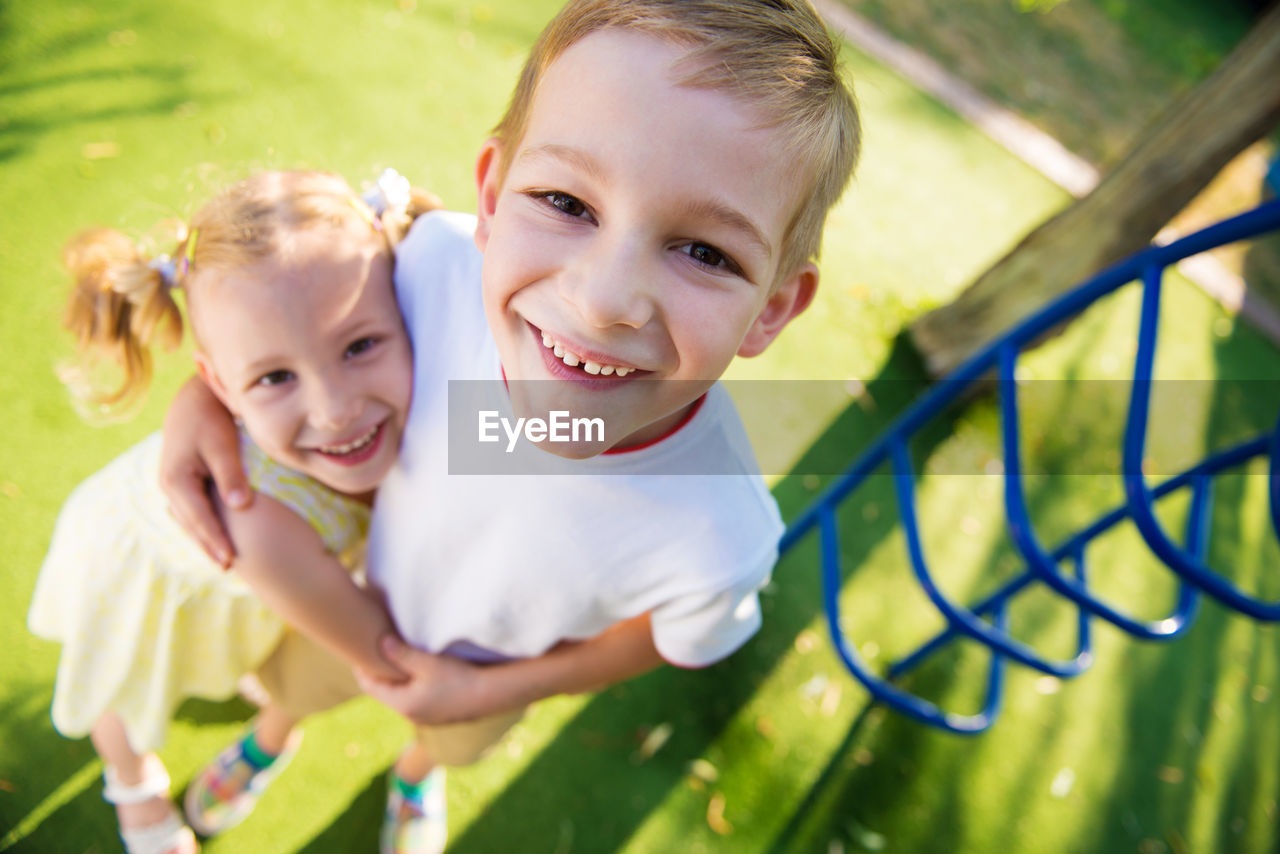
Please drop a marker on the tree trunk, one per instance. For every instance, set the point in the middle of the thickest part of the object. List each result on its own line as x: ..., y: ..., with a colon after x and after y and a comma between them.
x: 1169, y: 165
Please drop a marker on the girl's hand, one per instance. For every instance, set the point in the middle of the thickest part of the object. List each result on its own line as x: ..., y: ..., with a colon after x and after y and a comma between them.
x: 200, y: 443
x: 439, y: 690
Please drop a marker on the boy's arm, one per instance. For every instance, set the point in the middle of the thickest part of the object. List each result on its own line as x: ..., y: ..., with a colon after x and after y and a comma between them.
x: 284, y: 560
x: 200, y: 443
x: 443, y: 689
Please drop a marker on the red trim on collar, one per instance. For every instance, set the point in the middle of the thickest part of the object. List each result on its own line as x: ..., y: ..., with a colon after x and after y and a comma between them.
x: 688, y: 416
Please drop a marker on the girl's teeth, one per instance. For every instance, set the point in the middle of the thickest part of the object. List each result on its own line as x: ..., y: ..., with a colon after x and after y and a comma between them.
x: 592, y: 368
x: 571, y: 360
x: 350, y: 446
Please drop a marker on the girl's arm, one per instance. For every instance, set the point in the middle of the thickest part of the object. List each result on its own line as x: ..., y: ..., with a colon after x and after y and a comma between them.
x: 443, y: 689
x: 284, y: 560
x: 200, y: 443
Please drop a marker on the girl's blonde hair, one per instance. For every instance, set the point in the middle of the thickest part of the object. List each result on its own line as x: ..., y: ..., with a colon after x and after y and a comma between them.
x: 775, y: 55
x: 123, y: 301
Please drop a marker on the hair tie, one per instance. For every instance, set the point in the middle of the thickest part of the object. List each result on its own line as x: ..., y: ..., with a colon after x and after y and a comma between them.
x: 168, y: 271
x: 189, y: 254
x: 390, y: 192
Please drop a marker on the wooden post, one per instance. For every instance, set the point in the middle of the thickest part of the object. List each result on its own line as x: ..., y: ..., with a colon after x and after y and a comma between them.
x: 1189, y: 144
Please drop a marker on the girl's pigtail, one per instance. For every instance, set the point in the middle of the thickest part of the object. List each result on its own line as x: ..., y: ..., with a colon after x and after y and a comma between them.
x: 121, y: 306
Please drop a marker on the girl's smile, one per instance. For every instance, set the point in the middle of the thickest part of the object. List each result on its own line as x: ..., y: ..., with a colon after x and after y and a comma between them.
x: 310, y: 353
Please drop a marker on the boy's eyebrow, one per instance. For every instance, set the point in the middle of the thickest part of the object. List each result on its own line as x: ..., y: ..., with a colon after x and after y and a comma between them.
x: 574, y: 156
x: 729, y: 217
x: 701, y: 209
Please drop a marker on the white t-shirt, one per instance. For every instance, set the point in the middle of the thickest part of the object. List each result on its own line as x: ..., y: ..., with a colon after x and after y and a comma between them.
x: 500, y: 566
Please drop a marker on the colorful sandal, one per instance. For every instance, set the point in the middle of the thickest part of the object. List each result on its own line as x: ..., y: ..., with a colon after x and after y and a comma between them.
x: 226, y: 791
x: 165, y: 836
x: 416, y: 821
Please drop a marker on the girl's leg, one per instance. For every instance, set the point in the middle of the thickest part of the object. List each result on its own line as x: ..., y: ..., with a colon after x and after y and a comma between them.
x: 226, y: 791
x: 272, y: 729
x: 130, y: 768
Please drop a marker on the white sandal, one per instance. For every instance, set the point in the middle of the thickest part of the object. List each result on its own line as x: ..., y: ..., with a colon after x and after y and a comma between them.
x: 168, y: 834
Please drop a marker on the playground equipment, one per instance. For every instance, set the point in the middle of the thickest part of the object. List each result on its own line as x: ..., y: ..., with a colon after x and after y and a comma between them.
x: 986, y: 621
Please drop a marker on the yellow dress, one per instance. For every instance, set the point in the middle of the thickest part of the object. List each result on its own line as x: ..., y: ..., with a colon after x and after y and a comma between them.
x: 145, y: 619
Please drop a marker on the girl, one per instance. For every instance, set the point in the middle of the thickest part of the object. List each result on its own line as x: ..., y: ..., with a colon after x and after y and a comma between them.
x: 287, y: 284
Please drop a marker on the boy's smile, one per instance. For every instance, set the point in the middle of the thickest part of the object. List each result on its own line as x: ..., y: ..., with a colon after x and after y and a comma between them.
x: 632, y: 249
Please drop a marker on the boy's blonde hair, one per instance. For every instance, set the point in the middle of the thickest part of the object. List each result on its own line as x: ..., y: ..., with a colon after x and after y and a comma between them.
x: 776, y: 55
x: 123, y: 301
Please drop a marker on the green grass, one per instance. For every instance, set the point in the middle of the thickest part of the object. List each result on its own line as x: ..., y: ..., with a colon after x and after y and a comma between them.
x: 1168, y: 747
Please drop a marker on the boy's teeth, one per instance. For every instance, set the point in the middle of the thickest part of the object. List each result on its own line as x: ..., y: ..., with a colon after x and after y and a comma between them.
x: 573, y: 360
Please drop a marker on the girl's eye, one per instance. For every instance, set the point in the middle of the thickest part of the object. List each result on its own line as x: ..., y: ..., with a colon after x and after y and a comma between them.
x: 566, y: 204
x: 273, y: 378
x: 360, y: 345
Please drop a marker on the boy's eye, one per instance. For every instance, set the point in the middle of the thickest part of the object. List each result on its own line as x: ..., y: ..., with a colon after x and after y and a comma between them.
x: 272, y: 378
x: 566, y: 204
x: 360, y: 345
x: 709, y: 256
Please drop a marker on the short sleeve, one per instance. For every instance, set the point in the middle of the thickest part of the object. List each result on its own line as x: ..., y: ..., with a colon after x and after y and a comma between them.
x: 698, y: 630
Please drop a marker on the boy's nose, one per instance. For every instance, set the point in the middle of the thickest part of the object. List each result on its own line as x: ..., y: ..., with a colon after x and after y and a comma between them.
x: 611, y: 286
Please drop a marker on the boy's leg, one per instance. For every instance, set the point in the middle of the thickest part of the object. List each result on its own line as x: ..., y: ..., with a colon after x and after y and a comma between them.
x: 139, y: 787
x: 416, y: 819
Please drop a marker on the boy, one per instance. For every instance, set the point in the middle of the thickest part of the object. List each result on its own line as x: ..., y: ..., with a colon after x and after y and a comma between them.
x: 649, y: 207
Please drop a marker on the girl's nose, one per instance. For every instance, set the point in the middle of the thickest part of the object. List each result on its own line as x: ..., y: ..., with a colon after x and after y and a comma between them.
x: 334, y: 406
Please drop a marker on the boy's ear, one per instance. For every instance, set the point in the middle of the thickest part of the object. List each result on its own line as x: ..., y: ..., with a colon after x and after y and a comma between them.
x: 488, y: 167
x: 785, y: 303
x: 204, y: 367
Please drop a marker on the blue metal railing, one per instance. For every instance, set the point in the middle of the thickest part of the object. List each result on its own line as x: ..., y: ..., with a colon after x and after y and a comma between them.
x: 986, y: 621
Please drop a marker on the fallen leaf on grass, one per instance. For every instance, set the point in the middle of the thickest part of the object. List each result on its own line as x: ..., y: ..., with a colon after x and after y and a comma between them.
x: 100, y: 150
x: 715, y: 815
x: 653, y: 742
x: 806, y: 641
x: 1062, y: 783
x: 704, y: 770
x: 865, y: 838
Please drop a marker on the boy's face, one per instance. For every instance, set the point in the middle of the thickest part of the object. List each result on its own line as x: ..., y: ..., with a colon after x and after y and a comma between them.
x: 633, y: 248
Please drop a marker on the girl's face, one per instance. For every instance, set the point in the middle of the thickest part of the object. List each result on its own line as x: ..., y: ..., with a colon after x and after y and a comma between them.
x: 310, y: 353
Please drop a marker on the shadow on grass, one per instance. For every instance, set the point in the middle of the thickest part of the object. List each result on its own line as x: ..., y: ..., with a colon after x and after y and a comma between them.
x: 1201, y: 718
x: 51, y: 799
x: 45, y: 84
